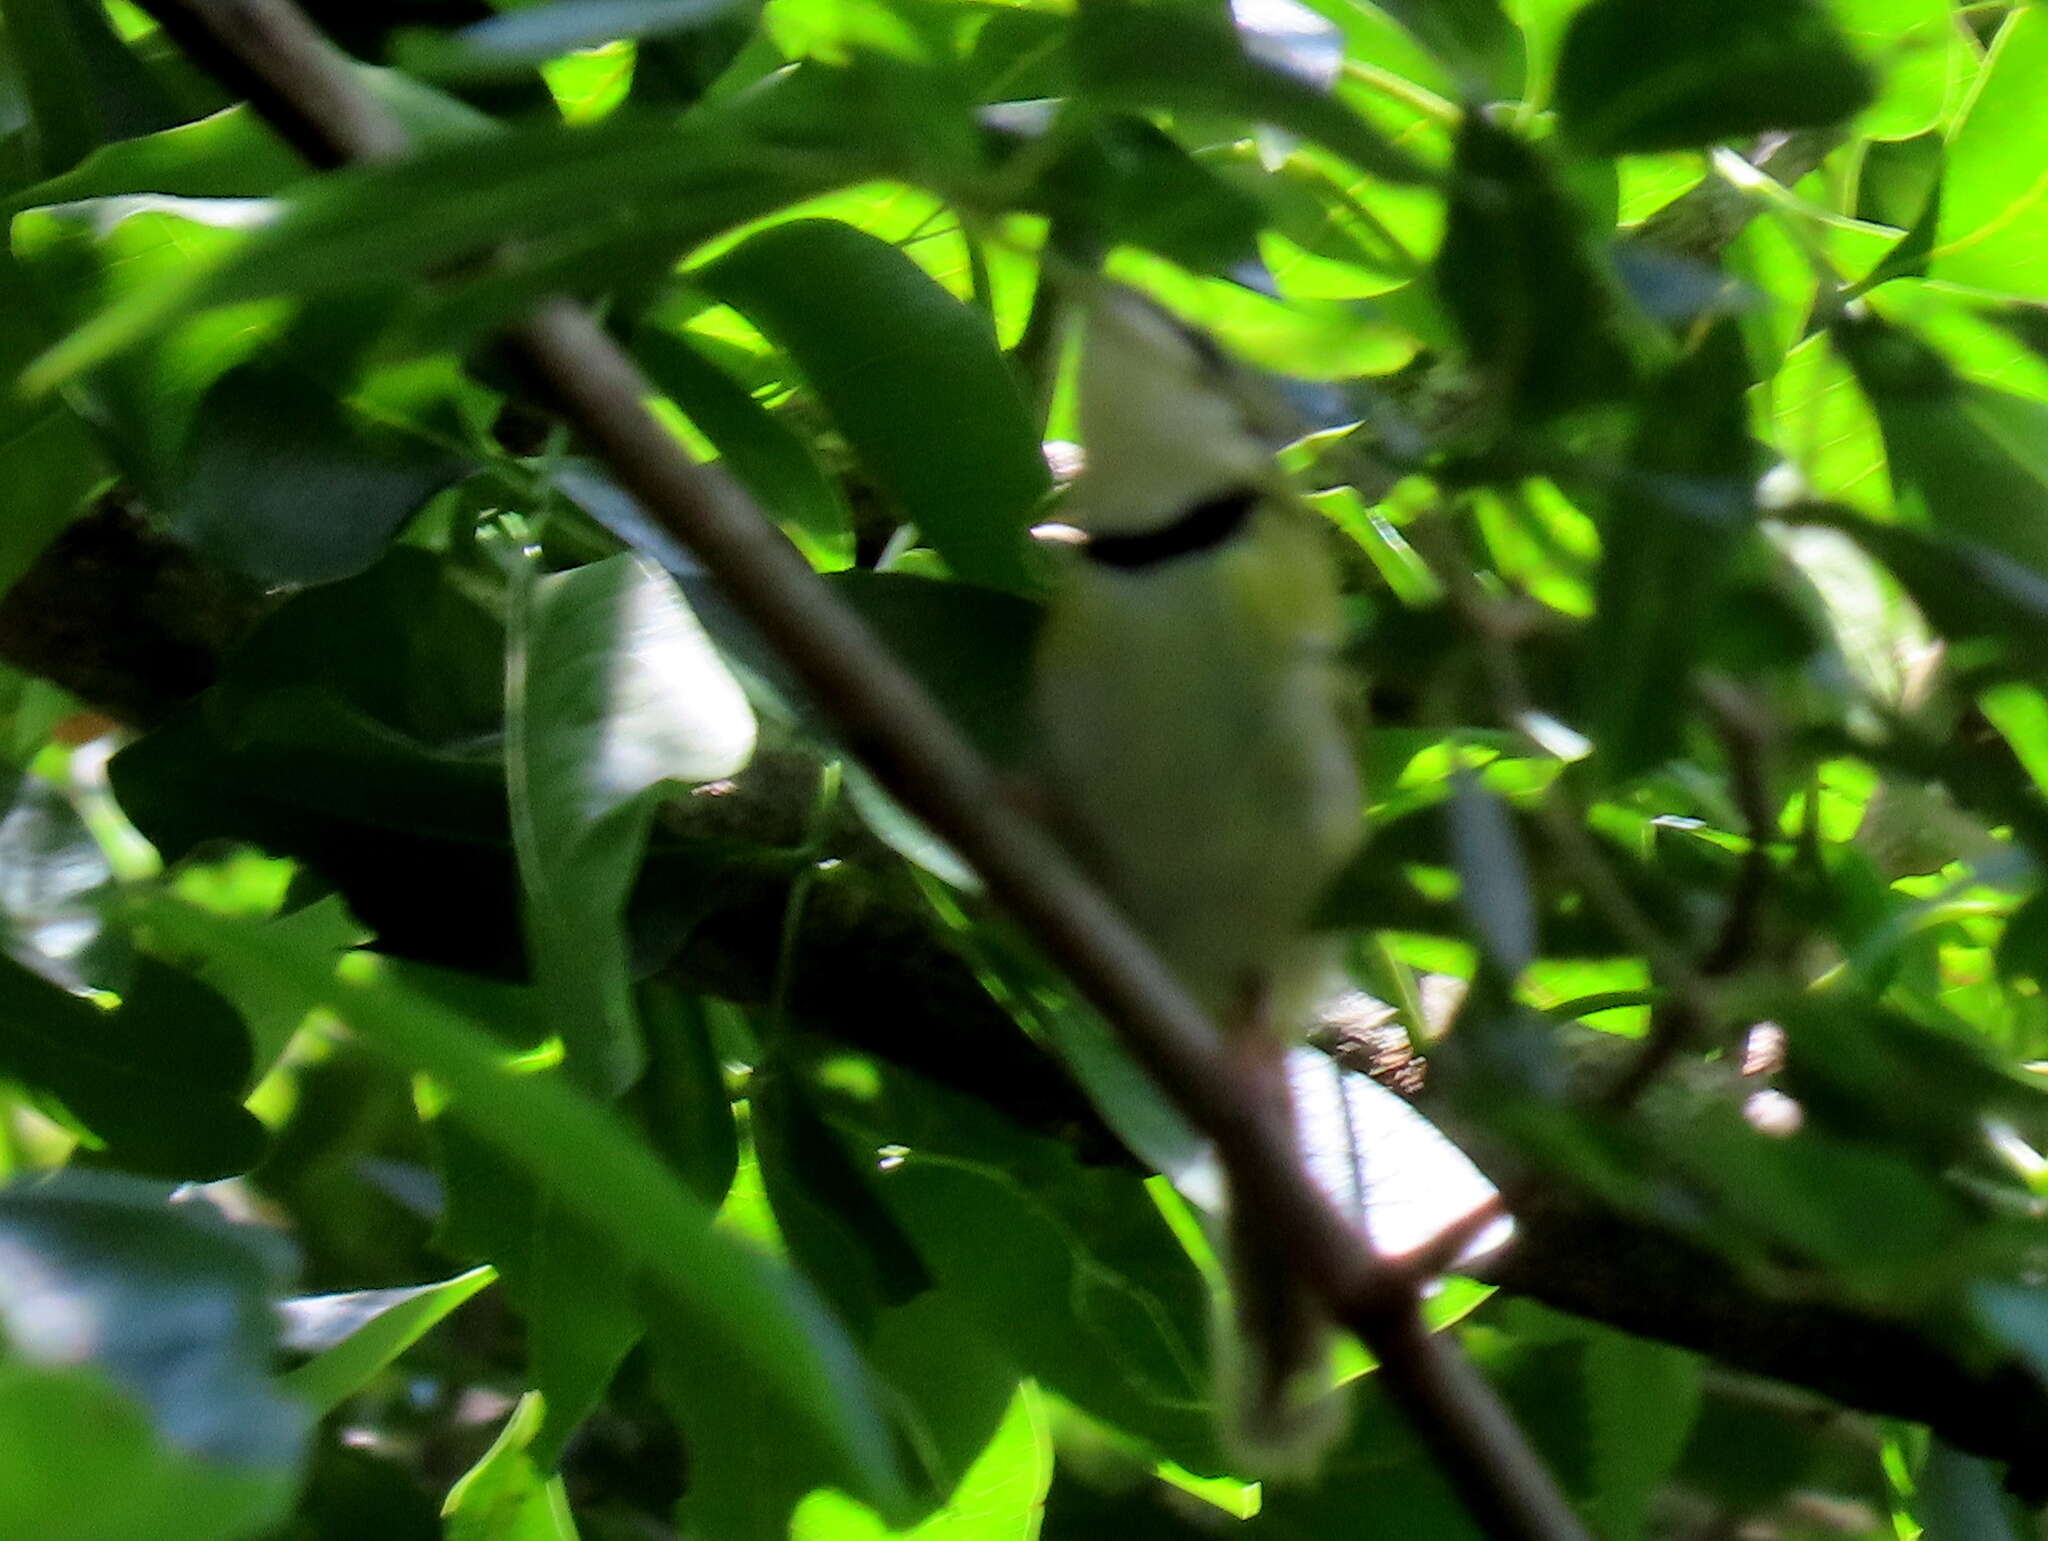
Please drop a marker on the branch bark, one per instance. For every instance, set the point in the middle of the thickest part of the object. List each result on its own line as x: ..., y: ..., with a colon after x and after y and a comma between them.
x: 269, y: 51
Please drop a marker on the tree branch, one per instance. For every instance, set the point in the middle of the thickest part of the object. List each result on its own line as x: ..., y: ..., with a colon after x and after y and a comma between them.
x: 309, y: 91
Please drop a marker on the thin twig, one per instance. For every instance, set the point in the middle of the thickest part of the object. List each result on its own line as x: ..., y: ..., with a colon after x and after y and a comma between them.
x: 1687, y: 1007
x: 269, y: 50
x: 1677, y: 1022
x: 1486, y: 620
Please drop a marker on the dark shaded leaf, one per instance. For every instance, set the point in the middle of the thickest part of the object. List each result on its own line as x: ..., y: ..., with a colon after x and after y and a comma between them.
x: 158, y: 1080
x: 1474, y: 37
x: 1494, y: 881
x: 1849, y: 1062
x: 826, y: 1209
x: 1642, y: 75
x: 285, y: 484
x: 770, y: 460
x: 511, y: 42
x: 911, y: 376
x: 178, y: 1303
x: 1119, y: 179
x: 1677, y: 521
x: 568, y: 1279
x: 970, y: 647
x: 85, y: 89
x: 1968, y: 460
x: 1070, y: 1270
x: 1521, y: 279
x: 384, y: 776
x: 1192, y: 59
x: 1962, y: 1498
x: 681, y: 1097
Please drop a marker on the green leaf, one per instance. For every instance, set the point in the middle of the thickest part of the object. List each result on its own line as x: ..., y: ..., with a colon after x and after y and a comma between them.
x: 511, y: 43
x: 48, y: 457
x: 614, y: 695
x: 1768, y: 1196
x: 1962, y: 1498
x: 1679, y: 518
x: 1517, y: 271
x: 682, y: 1098
x: 953, y: 1386
x: 1071, y: 1270
x: 1132, y: 1104
x: 970, y: 648
x: 1970, y: 461
x: 84, y: 88
x: 1641, y: 1400
x: 1993, y: 229
x: 158, y: 1081
x: 125, y: 251
x: 287, y: 485
x: 507, y: 1495
x: 80, y: 1462
x: 1922, y: 59
x: 770, y: 460
x: 1378, y: 1481
x: 49, y: 460
x: 1824, y: 425
x: 359, y: 1333
x: 230, y: 154
x: 136, y: 1397
x: 567, y: 1279
x: 1192, y: 59
x: 912, y: 378
x: 718, y: 1293
x: 999, y: 1498
x: 1640, y: 75
x: 447, y: 203
x: 1474, y: 37
x: 1494, y: 879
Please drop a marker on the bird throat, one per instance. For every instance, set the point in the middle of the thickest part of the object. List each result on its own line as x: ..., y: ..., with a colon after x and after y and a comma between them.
x: 1201, y: 527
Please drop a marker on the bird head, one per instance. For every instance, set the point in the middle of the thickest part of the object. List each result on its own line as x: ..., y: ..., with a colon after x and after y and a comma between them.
x: 1167, y: 419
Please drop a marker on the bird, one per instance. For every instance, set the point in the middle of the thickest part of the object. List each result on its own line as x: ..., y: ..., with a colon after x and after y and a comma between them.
x: 1196, y: 755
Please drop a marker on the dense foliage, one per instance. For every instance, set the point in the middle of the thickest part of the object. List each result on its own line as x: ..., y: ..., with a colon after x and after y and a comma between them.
x: 421, y: 912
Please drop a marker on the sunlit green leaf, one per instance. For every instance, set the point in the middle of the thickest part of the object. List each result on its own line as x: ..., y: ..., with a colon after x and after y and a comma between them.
x: 507, y: 1496
x: 614, y: 693
x: 374, y: 1327
x: 1993, y: 232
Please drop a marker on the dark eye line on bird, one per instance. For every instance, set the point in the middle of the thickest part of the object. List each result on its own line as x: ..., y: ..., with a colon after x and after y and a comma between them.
x: 1203, y: 527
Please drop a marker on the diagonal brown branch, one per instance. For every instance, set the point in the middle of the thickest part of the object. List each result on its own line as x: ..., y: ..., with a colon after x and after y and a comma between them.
x: 268, y: 51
